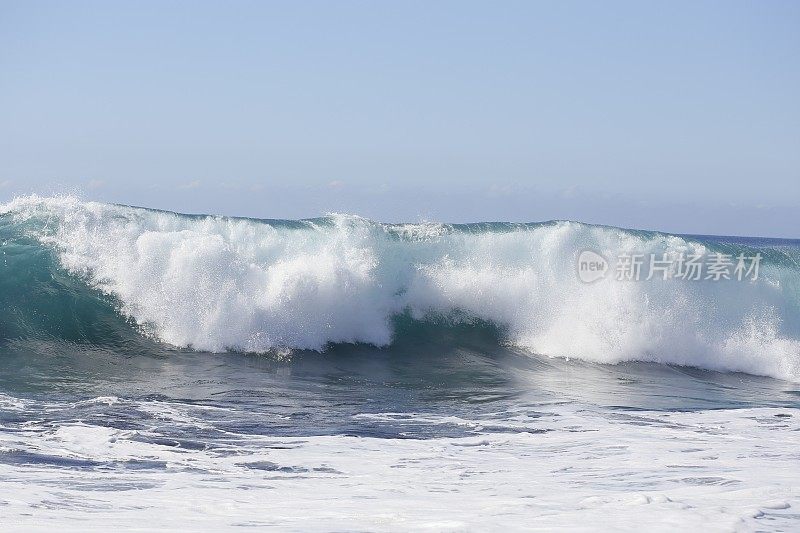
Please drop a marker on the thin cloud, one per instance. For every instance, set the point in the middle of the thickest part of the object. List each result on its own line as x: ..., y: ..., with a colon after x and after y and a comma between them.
x: 188, y: 186
x: 570, y: 192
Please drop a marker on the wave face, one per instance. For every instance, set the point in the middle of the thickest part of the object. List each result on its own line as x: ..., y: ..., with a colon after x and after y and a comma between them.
x: 106, y: 274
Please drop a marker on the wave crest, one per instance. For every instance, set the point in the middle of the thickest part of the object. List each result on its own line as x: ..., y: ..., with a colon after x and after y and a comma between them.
x: 217, y: 283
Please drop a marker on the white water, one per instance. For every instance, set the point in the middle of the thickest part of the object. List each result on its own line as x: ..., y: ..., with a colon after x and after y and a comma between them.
x: 724, y: 470
x: 218, y: 283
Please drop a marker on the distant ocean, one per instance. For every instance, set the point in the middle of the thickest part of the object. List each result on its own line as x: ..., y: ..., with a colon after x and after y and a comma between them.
x: 203, y: 372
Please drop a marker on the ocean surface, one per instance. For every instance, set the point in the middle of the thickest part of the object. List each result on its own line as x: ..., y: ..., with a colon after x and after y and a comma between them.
x: 192, y: 372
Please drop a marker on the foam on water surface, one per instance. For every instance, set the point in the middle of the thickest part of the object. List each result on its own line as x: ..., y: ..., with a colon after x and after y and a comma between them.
x: 571, y: 467
x: 396, y: 377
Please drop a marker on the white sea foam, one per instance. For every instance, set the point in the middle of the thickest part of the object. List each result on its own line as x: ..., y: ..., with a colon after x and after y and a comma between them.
x: 217, y: 283
x: 577, y: 468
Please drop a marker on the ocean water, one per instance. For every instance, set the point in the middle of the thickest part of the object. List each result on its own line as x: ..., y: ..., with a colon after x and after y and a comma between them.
x: 184, y: 372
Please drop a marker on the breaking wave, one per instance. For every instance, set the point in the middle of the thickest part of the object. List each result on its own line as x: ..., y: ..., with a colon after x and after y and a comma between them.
x: 104, y: 274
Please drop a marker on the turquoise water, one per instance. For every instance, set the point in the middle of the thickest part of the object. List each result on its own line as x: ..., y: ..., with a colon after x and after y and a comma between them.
x: 255, y: 361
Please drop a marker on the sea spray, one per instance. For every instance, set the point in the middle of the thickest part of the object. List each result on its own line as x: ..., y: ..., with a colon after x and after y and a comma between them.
x: 219, y: 283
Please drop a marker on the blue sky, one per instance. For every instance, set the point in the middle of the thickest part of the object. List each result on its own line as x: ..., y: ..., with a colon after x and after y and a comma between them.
x: 680, y: 116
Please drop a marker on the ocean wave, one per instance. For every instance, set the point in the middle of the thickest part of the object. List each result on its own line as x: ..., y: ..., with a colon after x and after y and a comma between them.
x: 218, y: 283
